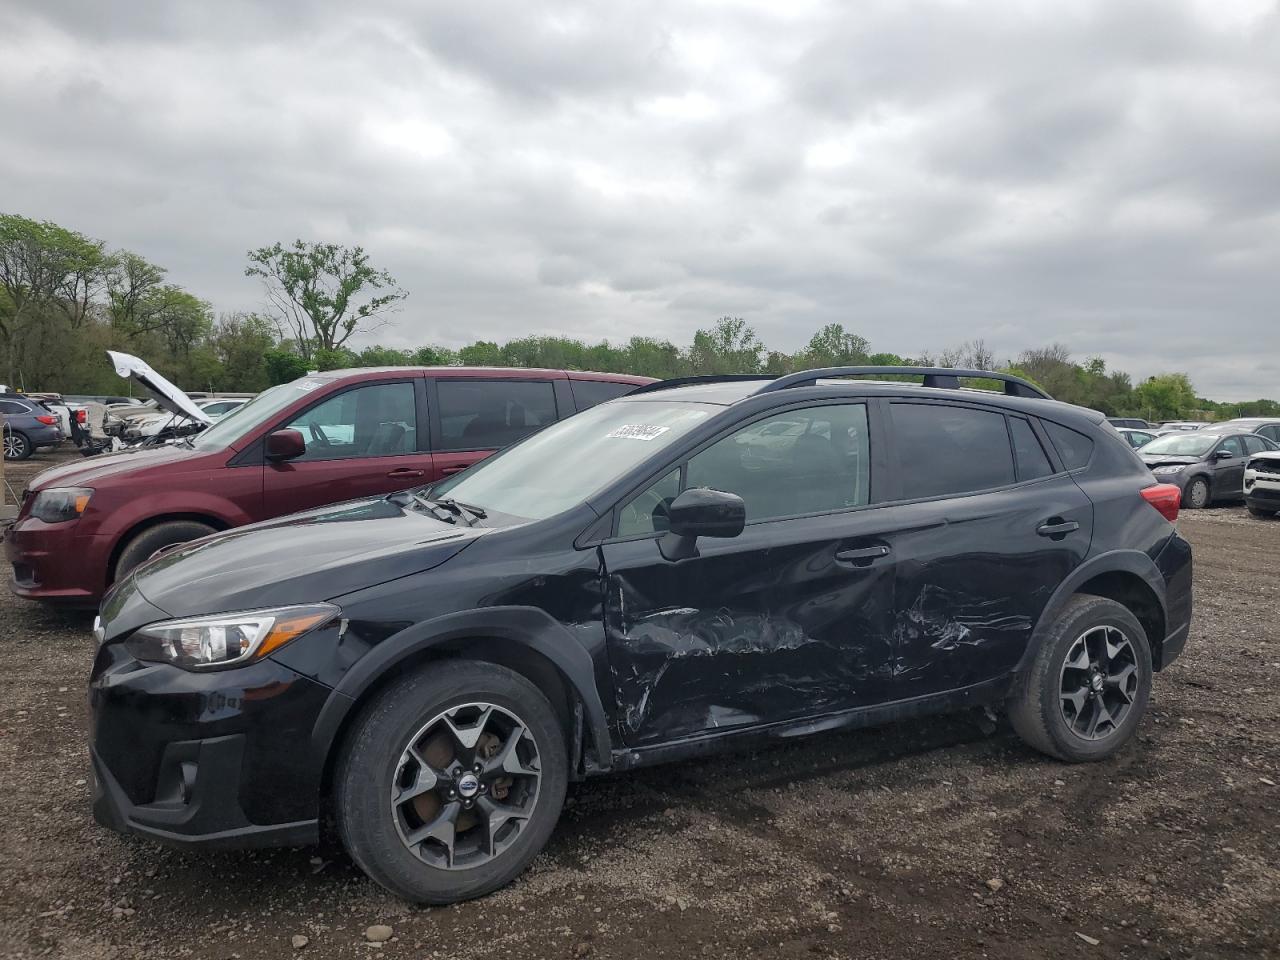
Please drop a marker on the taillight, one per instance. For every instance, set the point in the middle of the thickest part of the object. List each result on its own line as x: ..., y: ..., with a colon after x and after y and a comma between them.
x: 1165, y: 497
x: 47, y: 420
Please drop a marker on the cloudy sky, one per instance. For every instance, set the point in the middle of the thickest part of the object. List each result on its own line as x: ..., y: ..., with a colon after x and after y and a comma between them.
x: 1104, y: 174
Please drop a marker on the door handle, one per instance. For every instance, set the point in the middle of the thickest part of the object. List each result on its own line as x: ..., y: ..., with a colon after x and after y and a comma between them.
x: 1057, y: 527
x: 405, y: 473
x: 861, y: 556
x: 456, y: 468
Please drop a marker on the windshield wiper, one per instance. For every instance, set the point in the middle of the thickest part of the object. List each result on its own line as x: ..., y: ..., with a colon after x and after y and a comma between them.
x: 458, y: 506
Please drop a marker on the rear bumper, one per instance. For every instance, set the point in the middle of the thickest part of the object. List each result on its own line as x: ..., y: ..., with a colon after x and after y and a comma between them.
x: 1175, y: 565
x: 50, y: 562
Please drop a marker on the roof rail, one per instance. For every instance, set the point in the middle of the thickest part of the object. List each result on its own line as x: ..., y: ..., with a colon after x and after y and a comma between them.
x: 693, y: 381
x: 942, y: 377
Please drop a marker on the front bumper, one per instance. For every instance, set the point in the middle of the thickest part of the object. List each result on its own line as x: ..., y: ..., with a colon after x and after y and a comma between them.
x: 51, y: 561
x: 219, y: 759
x: 1262, y: 490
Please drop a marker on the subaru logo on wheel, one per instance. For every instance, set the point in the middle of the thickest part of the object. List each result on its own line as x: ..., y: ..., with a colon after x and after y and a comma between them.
x: 469, y: 785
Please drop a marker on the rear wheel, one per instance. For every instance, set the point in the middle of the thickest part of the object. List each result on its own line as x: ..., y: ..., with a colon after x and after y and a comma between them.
x: 1088, y: 687
x: 16, y: 445
x: 451, y: 781
x: 1196, y: 496
x: 146, y: 543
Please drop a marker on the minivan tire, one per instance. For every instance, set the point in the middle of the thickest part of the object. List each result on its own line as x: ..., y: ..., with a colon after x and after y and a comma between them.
x: 1036, y: 706
x: 141, y: 547
x: 16, y: 445
x: 369, y: 762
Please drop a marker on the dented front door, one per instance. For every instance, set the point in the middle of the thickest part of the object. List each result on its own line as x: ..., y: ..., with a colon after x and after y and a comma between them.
x: 790, y: 619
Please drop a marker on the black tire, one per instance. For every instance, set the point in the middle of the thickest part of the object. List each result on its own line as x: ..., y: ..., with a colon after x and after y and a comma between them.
x: 166, y: 534
x: 1262, y: 514
x: 370, y: 762
x: 1036, y: 706
x: 1197, y: 495
x: 16, y: 445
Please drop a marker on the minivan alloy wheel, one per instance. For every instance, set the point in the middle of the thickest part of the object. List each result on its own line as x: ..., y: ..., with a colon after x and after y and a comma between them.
x: 465, y: 786
x: 1099, y: 681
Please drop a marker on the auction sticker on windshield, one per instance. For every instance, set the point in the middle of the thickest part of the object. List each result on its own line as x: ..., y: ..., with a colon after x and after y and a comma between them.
x: 636, y: 431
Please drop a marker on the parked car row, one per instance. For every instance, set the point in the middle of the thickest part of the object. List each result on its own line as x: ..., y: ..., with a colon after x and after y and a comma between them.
x: 644, y: 572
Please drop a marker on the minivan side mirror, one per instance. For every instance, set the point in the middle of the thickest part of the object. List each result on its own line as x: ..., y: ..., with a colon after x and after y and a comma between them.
x: 700, y: 512
x: 285, y: 445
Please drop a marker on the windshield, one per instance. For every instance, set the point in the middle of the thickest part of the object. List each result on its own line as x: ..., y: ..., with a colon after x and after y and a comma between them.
x: 261, y: 408
x: 568, y: 462
x: 1182, y: 444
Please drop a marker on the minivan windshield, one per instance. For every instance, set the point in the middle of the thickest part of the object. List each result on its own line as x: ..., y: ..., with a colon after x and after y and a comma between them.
x: 1182, y: 444
x: 570, y: 461
x: 261, y: 408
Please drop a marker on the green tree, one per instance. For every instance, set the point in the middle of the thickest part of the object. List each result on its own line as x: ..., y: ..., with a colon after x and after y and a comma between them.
x: 729, y: 347
x: 283, y: 366
x: 833, y: 346
x: 323, y: 293
x: 1168, y: 396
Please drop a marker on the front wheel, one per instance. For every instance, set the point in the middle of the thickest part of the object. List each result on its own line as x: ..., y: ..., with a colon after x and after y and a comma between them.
x: 1196, y: 496
x: 451, y: 781
x: 1087, y: 688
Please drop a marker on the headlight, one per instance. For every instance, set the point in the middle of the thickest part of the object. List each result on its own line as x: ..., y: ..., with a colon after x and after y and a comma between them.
x: 60, y: 503
x: 224, y: 640
x: 1168, y: 468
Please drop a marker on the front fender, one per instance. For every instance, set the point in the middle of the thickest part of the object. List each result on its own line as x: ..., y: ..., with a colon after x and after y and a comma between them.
x: 527, y: 626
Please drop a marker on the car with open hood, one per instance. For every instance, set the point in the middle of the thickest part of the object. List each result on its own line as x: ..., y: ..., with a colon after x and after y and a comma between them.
x: 1207, y: 466
x: 643, y: 582
x: 323, y: 438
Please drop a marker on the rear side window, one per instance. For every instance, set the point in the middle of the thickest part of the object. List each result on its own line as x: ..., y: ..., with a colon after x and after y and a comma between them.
x: 12, y: 407
x: 945, y: 450
x: 1255, y: 444
x: 489, y: 414
x: 1027, y: 452
x: 1074, y: 447
x: 587, y: 393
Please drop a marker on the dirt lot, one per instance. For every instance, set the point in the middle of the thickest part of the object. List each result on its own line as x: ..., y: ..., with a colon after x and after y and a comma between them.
x: 883, y: 843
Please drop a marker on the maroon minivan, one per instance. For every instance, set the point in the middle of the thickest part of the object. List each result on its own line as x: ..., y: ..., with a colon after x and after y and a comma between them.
x: 324, y: 438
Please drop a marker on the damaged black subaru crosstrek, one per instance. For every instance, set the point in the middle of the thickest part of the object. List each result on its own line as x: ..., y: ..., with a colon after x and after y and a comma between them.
x: 693, y: 567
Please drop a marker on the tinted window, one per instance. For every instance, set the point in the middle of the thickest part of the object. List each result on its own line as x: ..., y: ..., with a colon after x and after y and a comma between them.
x: 949, y: 450
x: 587, y: 393
x: 1074, y: 447
x: 802, y: 461
x: 647, y: 512
x: 1233, y: 446
x: 488, y: 414
x: 13, y: 407
x: 379, y: 420
x: 1032, y: 461
x: 1255, y: 444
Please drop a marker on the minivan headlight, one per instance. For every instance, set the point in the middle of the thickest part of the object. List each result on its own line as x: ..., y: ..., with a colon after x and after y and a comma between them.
x: 60, y: 503
x: 226, y: 639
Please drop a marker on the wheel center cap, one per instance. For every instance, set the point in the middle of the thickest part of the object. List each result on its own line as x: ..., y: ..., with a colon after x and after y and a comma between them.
x: 1095, y: 682
x: 468, y: 785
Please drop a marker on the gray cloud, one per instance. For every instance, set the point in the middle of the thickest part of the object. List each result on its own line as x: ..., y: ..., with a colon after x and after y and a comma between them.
x: 1103, y: 174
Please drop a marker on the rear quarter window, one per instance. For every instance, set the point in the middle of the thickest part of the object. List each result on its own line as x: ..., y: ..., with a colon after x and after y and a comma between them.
x: 1073, y: 447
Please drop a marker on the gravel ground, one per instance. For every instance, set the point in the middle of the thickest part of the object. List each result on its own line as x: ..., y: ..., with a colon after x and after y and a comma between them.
x: 924, y: 839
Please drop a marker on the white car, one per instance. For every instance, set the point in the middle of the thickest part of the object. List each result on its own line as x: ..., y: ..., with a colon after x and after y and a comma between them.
x: 1262, y: 484
x: 213, y: 410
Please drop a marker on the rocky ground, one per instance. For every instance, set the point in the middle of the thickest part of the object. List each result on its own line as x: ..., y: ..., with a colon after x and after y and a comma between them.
x: 925, y: 839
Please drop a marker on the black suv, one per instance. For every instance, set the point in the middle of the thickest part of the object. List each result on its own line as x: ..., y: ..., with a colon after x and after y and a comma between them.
x: 693, y: 567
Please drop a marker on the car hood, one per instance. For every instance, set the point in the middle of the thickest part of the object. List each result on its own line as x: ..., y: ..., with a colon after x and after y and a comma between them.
x: 1266, y: 455
x: 165, y: 393
x: 1159, y: 460
x: 92, y: 470
x: 303, y: 558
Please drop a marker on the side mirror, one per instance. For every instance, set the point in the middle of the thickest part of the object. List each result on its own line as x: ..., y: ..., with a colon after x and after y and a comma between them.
x: 700, y: 512
x: 285, y: 445
x: 1223, y: 455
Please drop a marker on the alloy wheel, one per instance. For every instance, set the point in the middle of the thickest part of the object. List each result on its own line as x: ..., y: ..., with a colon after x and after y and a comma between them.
x: 14, y: 446
x: 1099, y: 682
x: 466, y: 786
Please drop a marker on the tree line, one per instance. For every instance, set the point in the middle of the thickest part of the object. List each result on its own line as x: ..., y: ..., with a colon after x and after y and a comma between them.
x: 66, y: 298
